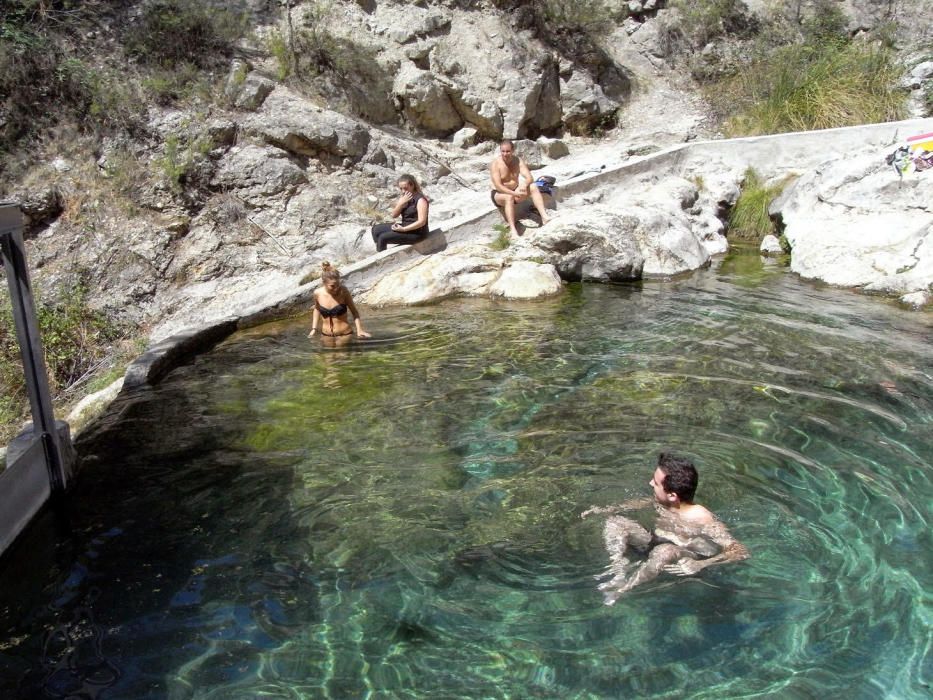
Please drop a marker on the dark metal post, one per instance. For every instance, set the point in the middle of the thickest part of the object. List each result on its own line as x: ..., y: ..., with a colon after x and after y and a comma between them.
x: 30, y: 342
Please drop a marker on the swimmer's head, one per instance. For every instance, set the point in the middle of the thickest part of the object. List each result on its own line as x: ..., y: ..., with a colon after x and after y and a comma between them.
x: 675, y: 480
x: 330, y: 276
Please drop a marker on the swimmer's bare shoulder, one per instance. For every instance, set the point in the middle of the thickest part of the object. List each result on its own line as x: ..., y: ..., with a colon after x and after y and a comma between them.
x: 696, y: 514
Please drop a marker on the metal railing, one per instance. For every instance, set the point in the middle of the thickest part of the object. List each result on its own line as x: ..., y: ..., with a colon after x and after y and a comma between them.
x: 22, y: 492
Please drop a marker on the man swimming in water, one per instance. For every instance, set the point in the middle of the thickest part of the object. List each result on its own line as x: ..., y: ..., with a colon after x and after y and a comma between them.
x: 687, y: 537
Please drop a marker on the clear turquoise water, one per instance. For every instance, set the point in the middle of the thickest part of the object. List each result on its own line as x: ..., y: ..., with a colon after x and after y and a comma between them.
x: 400, y: 519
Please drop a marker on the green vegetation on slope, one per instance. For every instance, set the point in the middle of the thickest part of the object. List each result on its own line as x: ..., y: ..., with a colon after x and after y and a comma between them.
x: 821, y: 86
x: 59, y: 65
x: 77, y: 340
x: 794, y: 68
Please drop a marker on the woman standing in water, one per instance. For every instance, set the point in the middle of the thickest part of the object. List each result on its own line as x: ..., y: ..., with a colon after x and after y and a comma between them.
x: 332, y: 303
x: 412, y: 206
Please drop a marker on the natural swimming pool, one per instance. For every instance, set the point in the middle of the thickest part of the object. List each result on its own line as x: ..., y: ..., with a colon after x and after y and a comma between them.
x: 401, y: 518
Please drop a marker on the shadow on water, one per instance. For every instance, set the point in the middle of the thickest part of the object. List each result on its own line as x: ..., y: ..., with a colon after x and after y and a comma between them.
x: 401, y: 515
x: 166, y: 516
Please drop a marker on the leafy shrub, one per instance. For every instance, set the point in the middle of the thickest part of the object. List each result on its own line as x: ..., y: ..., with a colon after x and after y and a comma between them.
x: 589, y: 16
x: 826, y: 22
x: 278, y: 47
x: 75, y: 339
x: 705, y: 20
x: 181, y: 156
x: 176, y: 32
x: 181, y: 81
x: 749, y: 218
x: 45, y: 78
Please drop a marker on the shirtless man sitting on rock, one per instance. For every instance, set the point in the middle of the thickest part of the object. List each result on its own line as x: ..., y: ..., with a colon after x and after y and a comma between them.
x: 687, y: 538
x: 507, y: 170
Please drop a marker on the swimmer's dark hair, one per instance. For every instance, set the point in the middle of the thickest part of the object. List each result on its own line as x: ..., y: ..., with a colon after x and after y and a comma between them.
x: 507, y: 142
x: 680, y: 476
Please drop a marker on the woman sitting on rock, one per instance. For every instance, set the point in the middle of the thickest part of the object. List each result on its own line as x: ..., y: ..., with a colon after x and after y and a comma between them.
x: 412, y: 206
x: 332, y: 303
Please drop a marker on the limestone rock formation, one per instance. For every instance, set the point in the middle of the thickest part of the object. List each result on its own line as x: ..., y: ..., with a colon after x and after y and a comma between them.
x: 291, y: 123
x: 856, y: 223
x: 256, y: 172
x: 471, y: 270
x: 593, y: 245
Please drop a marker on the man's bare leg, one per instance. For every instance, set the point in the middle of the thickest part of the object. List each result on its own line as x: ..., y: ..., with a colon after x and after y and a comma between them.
x: 538, y: 200
x: 507, y: 205
x: 660, y: 556
x: 619, y: 533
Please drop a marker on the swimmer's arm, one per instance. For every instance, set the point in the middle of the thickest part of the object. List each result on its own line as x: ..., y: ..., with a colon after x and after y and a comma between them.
x: 356, y: 319
x: 632, y: 504
x: 315, y: 320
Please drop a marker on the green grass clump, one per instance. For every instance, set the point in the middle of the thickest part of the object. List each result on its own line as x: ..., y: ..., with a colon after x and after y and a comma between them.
x: 501, y: 241
x: 581, y: 15
x: 749, y: 220
x: 814, y: 86
x: 705, y: 20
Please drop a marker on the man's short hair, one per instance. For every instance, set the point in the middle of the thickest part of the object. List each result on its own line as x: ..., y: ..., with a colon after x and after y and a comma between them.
x: 507, y: 142
x: 680, y: 476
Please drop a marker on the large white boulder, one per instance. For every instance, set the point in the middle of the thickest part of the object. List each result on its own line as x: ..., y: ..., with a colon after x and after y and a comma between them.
x: 591, y: 244
x: 473, y: 270
x: 673, y: 233
x: 855, y: 223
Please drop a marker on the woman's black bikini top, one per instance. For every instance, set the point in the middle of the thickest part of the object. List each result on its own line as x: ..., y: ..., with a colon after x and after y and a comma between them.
x: 338, y: 310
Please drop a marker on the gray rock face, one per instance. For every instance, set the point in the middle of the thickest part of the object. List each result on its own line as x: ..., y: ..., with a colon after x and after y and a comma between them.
x: 855, y: 223
x: 484, y: 116
x: 481, y: 74
x: 592, y: 245
x: 39, y: 205
x: 425, y: 102
x: 246, y: 90
x: 258, y: 171
x: 583, y: 103
x: 291, y: 123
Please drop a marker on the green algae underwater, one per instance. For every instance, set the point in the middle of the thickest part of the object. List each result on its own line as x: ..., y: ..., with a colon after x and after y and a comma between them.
x: 401, y: 517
